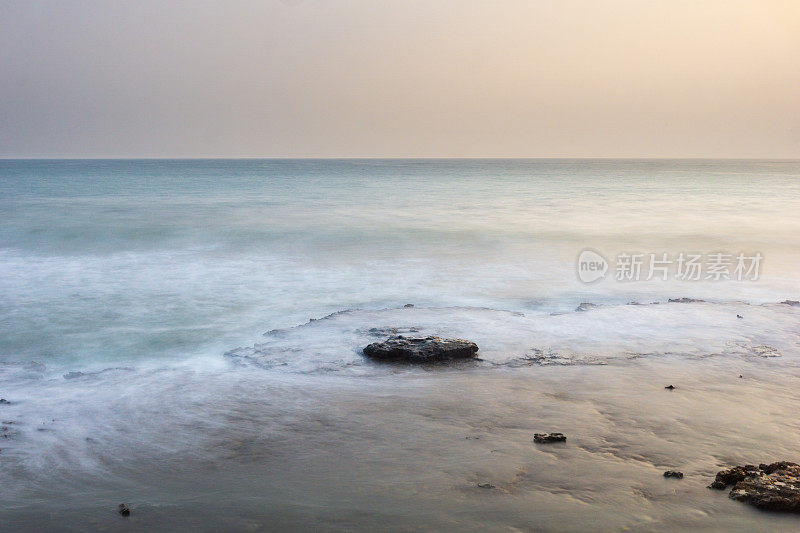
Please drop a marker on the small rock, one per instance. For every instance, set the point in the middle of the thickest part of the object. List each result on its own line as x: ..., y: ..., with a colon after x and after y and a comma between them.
x: 673, y: 473
x: 485, y: 486
x: 3, y: 401
x: 790, y: 302
x: 739, y: 316
x: 123, y: 509
x: 585, y: 306
x: 549, y: 437
x: 670, y: 387
x: 684, y: 300
x: 408, y: 306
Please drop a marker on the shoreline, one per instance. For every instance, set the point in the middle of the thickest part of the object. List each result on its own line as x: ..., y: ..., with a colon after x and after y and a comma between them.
x: 367, y: 452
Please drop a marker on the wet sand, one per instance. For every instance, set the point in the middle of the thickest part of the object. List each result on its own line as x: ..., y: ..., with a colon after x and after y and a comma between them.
x: 408, y: 451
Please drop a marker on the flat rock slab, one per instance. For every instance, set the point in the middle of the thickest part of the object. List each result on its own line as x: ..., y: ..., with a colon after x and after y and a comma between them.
x: 421, y: 350
x: 772, y: 487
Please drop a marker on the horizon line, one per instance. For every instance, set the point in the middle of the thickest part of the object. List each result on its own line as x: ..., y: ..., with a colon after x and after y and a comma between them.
x: 378, y: 158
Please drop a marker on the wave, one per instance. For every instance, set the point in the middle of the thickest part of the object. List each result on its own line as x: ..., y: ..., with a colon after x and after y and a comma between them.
x: 592, y: 334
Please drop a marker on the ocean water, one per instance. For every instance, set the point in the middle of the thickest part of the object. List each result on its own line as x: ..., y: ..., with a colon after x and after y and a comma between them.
x: 166, y: 322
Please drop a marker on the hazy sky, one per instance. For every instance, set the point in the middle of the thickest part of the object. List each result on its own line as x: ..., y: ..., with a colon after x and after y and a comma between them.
x: 405, y: 78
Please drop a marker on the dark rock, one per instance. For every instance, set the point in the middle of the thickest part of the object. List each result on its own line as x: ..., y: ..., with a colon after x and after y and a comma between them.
x: 673, y: 473
x: 728, y: 477
x: 485, y: 486
x: 739, y: 316
x: 421, y: 350
x: 790, y: 302
x: 684, y: 300
x: 670, y: 387
x: 408, y: 306
x: 772, y: 487
x: 776, y: 487
x: 549, y: 437
x: 73, y: 375
x: 123, y: 509
x: 772, y: 467
x: 3, y: 401
x: 585, y: 306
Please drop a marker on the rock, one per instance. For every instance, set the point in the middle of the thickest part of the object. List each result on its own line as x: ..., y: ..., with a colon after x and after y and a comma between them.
x: 408, y: 306
x: 772, y: 467
x: 728, y: 477
x: 772, y: 487
x: 585, y: 306
x: 3, y: 401
x: 544, y: 438
x: 670, y: 387
x: 739, y: 316
x: 673, y: 473
x: 123, y: 509
x: 790, y: 302
x: 485, y: 486
x: 421, y: 350
x: 684, y: 300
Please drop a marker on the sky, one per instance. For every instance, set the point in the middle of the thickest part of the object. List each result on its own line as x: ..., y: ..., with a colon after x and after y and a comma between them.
x: 404, y: 78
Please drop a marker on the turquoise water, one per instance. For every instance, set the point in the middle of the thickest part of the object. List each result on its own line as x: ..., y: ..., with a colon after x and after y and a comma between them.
x: 108, y: 262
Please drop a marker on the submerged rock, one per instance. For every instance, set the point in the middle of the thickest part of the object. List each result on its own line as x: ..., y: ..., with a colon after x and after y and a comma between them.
x: 3, y: 401
x: 586, y: 306
x: 791, y: 302
x: 389, y: 331
x: 673, y: 473
x: 773, y: 487
x: 485, y: 486
x: 549, y: 437
x: 123, y: 509
x: 684, y: 300
x: 421, y: 350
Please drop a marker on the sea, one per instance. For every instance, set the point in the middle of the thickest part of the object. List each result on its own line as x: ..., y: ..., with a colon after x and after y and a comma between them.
x: 185, y: 336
